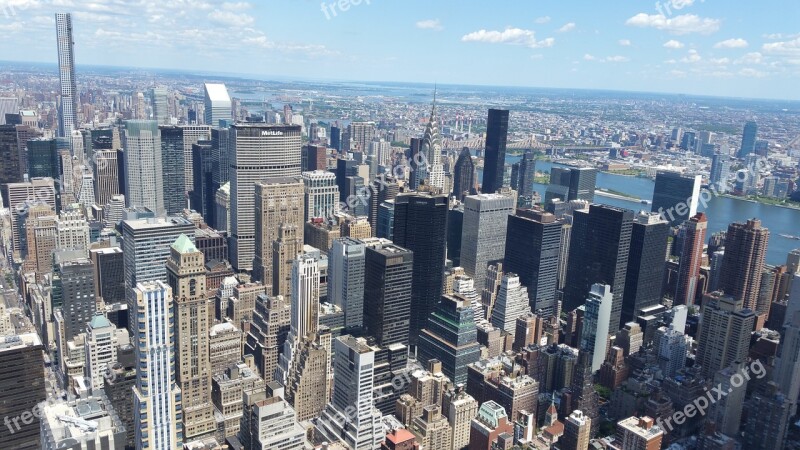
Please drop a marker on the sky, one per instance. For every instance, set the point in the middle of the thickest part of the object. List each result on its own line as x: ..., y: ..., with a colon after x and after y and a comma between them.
x: 731, y: 48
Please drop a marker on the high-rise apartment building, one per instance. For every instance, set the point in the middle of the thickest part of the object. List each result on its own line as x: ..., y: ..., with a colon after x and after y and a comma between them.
x: 101, y: 350
x: 749, y: 135
x: 419, y: 221
x: 511, y: 303
x: 68, y: 103
x: 724, y: 332
x: 596, y: 319
x: 720, y: 171
x: 346, y: 279
x: 743, y: 264
x: 483, y: 238
x: 495, y: 153
x: 259, y: 152
x: 638, y: 433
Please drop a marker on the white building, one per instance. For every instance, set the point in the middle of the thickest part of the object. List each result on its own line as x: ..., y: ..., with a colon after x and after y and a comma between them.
x: 143, y: 169
x: 596, y: 321
x: 511, y: 303
x: 101, y: 349
x: 217, y: 104
x: 321, y: 194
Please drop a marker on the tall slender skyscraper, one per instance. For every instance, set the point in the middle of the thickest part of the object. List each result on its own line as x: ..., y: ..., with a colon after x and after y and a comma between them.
x: 676, y: 196
x: 173, y: 169
x: 748, y: 139
x: 483, y: 236
x: 691, y: 259
x: 278, y: 201
x: 346, y: 279
x: 495, y: 155
x: 217, y: 104
x: 646, y: 260
x: 159, y: 102
x: 724, y: 332
x: 259, y: 151
x: 599, y: 248
x: 533, y: 246
x: 720, y: 170
x: 387, y: 285
x: 419, y: 223
x: 743, y: 264
x: 186, y: 276
x: 144, y: 178
x: 68, y: 106
x: 594, y: 338
x: 156, y: 395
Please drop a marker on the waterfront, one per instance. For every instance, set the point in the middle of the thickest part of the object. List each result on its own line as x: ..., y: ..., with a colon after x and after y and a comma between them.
x: 721, y: 211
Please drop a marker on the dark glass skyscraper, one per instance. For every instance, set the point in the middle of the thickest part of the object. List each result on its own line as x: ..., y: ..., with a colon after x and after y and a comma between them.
x: 533, y: 244
x: 527, y: 175
x: 345, y: 168
x: 336, y: 138
x: 464, y: 175
x: 676, y: 196
x: 202, y: 198
x: 646, y: 261
x: 455, y: 227
x: 451, y: 337
x: 495, y: 154
x: 577, y: 183
x: 173, y: 163
x: 387, y: 292
x: 598, y: 253
x: 748, y: 139
x: 419, y: 223
x: 43, y: 161
x: 10, y: 170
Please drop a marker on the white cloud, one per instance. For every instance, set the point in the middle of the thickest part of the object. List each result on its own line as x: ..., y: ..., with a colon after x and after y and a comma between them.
x: 787, y: 48
x: 624, y: 42
x: 537, y: 56
x: 683, y: 24
x: 588, y: 57
x: 567, y: 27
x: 541, y: 20
x: 236, y: 6
x: 617, y: 58
x: 673, y: 44
x: 430, y: 24
x: 680, y: 4
x: 731, y: 43
x: 750, y: 58
x: 611, y: 59
x: 231, y: 19
x: 511, y: 36
x: 720, y: 61
x: 677, y: 73
x: 692, y: 57
x: 775, y: 36
x: 752, y: 73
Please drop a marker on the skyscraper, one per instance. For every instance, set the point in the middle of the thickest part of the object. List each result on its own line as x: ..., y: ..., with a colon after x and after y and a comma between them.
x: 321, y: 194
x: 156, y: 395
x: 676, y: 196
x: 145, y: 248
x: 451, y: 337
x: 11, y: 164
x: 495, y: 154
x: 511, y: 303
x: 533, y: 246
x: 577, y: 432
x: 68, y: 106
x: 526, y: 174
x: 351, y: 415
x: 278, y: 201
x: 43, y: 159
x: 694, y: 239
x: 724, y: 332
x: 260, y: 151
x: 22, y: 382
x: 720, y: 170
x: 192, y: 134
x: 106, y: 175
x: 748, y: 139
x: 743, y: 264
x: 73, y: 291
x: 582, y: 182
x: 464, y: 175
x: 483, y: 238
x: 186, y: 276
x: 144, y: 178
x: 346, y: 280
x: 173, y: 165
x: 202, y: 197
x: 419, y: 222
x: 646, y: 260
x: 599, y: 249
x: 217, y: 104
x: 596, y: 319
x: 387, y: 285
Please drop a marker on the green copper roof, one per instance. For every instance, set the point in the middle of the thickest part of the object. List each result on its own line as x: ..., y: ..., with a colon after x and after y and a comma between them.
x: 99, y: 321
x: 184, y: 245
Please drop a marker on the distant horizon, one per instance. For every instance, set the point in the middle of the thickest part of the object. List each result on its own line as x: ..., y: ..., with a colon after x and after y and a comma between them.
x: 289, y: 79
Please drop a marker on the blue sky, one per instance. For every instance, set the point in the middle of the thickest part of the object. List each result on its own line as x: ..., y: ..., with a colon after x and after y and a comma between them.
x: 714, y: 47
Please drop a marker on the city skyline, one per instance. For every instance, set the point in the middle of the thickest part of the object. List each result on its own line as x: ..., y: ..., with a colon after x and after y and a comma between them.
x: 676, y: 46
